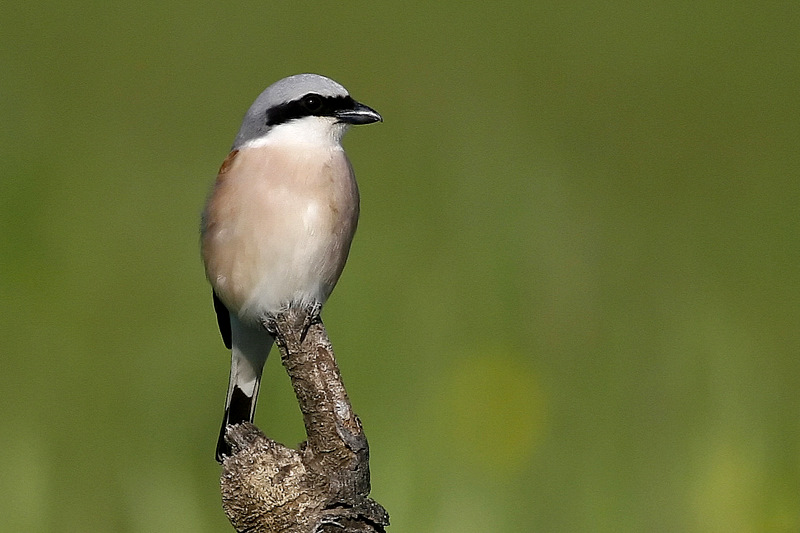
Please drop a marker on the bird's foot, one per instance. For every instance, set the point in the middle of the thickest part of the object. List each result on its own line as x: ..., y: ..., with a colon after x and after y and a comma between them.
x: 299, y: 317
x: 312, y: 312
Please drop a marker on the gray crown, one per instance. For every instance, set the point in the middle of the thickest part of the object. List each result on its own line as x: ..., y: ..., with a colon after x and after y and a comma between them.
x: 281, y: 92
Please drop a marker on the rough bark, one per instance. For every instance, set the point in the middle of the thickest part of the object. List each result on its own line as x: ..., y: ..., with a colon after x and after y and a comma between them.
x: 322, y: 487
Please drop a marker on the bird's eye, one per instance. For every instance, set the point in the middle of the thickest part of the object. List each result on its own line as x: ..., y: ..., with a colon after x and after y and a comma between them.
x: 312, y: 103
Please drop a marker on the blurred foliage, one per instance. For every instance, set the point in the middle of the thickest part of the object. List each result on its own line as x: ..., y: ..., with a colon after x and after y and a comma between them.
x: 572, y: 303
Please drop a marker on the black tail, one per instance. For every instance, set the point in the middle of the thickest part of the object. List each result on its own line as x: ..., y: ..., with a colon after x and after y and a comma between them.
x: 239, y: 410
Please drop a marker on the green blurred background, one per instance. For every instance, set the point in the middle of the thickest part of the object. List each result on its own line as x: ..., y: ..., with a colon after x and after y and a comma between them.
x: 572, y: 302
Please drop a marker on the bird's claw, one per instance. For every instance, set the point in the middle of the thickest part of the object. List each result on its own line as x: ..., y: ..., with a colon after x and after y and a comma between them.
x: 309, y: 313
x: 312, y: 317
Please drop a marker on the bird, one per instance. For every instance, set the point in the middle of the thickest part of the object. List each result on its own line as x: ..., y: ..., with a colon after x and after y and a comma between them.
x: 278, y: 223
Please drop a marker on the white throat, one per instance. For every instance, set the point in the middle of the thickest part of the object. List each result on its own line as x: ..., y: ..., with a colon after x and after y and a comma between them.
x: 316, y: 131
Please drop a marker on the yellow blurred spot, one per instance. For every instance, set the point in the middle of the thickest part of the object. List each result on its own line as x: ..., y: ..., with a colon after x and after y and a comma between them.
x: 492, y: 411
x: 727, y: 491
x: 25, y: 483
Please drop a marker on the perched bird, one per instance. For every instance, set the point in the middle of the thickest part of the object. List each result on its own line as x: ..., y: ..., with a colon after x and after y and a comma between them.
x: 278, y: 224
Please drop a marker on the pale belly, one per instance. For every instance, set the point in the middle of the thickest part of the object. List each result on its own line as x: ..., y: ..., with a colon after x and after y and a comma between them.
x: 273, y: 242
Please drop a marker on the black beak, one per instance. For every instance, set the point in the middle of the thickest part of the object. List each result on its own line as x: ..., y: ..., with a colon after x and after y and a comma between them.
x: 358, y: 114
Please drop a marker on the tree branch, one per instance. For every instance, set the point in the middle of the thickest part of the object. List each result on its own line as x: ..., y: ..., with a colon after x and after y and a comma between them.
x: 322, y: 487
